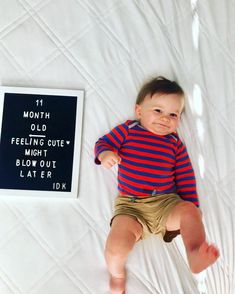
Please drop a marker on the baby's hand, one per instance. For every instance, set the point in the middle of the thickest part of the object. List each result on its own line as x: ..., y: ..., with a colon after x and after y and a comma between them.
x: 109, y: 158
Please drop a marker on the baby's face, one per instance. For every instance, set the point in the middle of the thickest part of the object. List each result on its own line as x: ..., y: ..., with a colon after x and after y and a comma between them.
x: 160, y: 114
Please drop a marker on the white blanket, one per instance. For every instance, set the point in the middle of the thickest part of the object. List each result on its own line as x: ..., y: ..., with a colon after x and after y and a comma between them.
x: 108, y: 48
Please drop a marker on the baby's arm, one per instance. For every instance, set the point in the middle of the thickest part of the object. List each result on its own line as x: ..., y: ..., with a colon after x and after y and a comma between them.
x: 184, y: 175
x: 109, y: 158
x: 108, y: 146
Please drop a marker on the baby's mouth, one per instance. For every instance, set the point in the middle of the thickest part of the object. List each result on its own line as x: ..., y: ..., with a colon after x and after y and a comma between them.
x: 162, y: 125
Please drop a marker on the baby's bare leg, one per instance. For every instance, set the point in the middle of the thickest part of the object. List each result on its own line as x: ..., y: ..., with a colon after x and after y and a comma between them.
x: 125, y: 231
x: 186, y: 217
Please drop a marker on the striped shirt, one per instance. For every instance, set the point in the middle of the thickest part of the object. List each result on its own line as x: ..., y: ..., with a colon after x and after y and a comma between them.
x: 150, y: 164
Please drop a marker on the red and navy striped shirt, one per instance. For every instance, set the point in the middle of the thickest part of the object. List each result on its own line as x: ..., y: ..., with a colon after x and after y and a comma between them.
x: 150, y: 164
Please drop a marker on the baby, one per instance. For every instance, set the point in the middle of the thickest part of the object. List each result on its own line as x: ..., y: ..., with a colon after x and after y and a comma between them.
x: 156, y: 182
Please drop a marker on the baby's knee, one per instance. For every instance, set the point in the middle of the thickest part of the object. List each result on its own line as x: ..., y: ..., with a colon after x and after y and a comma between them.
x: 119, y: 246
x: 189, y: 209
x: 114, y: 251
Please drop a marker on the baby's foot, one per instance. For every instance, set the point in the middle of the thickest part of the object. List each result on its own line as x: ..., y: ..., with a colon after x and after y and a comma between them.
x: 117, y: 285
x: 205, y: 256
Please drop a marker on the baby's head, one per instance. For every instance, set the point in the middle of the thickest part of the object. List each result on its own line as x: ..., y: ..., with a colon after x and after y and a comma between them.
x: 159, y: 105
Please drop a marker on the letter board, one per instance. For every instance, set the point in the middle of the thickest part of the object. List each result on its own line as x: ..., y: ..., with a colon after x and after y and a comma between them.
x: 40, y: 141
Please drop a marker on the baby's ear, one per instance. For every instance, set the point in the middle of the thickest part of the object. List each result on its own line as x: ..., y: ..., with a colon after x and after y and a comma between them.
x: 138, y: 111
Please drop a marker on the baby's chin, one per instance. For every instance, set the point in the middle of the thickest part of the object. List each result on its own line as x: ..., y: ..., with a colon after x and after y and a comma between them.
x: 159, y: 133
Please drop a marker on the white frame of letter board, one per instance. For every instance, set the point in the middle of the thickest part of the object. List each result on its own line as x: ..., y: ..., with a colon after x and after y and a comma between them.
x: 77, y: 140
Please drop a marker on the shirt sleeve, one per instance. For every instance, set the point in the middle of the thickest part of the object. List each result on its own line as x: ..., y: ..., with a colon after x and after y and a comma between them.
x: 111, y: 141
x: 184, y: 175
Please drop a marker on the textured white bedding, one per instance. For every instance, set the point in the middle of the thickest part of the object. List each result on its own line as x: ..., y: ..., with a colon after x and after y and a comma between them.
x: 108, y: 48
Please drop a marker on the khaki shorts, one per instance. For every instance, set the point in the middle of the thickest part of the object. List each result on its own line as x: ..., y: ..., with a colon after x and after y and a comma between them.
x: 151, y: 212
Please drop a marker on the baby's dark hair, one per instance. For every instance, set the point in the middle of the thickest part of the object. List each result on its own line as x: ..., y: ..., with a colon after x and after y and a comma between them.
x: 158, y: 85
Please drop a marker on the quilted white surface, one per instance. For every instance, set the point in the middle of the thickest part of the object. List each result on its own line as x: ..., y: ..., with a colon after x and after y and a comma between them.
x: 108, y: 48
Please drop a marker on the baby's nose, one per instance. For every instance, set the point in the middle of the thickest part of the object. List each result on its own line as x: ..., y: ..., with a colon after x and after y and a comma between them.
x: 165, y: 118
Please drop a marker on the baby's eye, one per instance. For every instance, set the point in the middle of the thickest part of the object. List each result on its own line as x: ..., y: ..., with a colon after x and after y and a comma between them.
x: 174, y: 115
x: 158, y: 110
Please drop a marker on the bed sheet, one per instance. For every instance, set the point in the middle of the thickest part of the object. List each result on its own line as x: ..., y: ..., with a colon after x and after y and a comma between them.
x: 109, y: 48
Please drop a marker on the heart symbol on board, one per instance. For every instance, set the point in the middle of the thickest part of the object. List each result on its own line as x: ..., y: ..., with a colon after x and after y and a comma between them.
x: 67, y: 142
